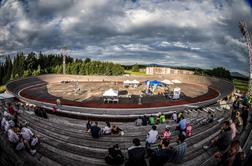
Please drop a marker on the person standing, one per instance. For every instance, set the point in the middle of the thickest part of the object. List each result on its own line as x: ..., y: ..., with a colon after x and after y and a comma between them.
x: 244, y: 116
x: 238, y: 122
x: 182, y: 124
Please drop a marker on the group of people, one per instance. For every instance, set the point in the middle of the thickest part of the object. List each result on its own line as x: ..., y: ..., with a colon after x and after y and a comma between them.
x: 240, y: 113
x: 157, y: 145
x: 18, y: 134
x: 96, y: 131
x: 226, y: 146
x: 151, y: 120
x: 137, y: 153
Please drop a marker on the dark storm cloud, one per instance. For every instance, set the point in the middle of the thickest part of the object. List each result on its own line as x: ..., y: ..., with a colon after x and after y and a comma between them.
x: 170, y: 32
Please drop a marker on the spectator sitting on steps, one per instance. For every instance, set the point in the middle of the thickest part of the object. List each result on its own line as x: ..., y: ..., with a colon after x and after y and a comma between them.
x: 116, y: 131
x: 233, y: 156
x: 136, y: 154
x: 152, y: 120
x: 223, y: 140
x: 161, y: 155
x: 166, y: 134
x: 107, y: 129
x: 162, y: 118
x: 115, y: 156
x: 139, y: 121
x: 238, y: 122
x: 144, y: 119
x: 28, y: 137
x: 152, y: 136
x: 174, y: 116
x: 210, y: 117
x: 180, y: 149
x: 95, y: 130
x: 88, y: 126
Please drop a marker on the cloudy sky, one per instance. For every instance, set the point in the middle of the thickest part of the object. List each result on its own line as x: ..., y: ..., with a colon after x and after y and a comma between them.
x: 198, y: 33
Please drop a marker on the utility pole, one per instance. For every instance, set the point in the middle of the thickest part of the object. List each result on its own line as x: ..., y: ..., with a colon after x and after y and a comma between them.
x: 244, y: 30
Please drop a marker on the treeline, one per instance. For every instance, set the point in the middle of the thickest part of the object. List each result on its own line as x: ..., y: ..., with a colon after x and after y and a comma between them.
x: 35, y: 64
x: 216, y: 72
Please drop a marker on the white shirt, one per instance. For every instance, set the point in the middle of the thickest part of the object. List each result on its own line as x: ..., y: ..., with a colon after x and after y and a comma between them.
x: 12, y: 136
x: 6, y: 126
x: 139, y: 122
x: 152, y: 136
x: 174, y: 116
x: 26, y: 133
x: 3, y: 122
x: 107, y: 130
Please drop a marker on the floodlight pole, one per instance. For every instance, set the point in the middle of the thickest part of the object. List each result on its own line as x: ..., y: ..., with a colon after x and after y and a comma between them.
x: 244, y: 30
x: 64, y: 59
x: 64, y: 64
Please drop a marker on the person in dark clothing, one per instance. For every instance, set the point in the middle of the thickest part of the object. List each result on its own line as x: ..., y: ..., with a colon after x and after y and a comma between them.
x: 144, y: 119
x: 136, y: 154
x: 43, y: 113
x: 223, y: 140
x: 210, y: 117
x: 180, y: 149
x: 162, y: 155
x: 115, y: 156
x: 244, y: 116
x: 236, y: 104
x: 232, y: 157
x: 88, y: 126
x: 95, y: 130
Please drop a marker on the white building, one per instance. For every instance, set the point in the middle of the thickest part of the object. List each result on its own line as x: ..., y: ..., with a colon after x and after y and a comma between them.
x: 166, y: 70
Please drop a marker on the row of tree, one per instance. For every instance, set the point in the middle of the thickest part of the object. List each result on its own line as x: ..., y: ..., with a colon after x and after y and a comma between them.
x: 216, y: 72
x: 35, y: 64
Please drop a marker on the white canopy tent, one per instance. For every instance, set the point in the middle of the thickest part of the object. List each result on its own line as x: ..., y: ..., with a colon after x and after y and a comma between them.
x: 135, y: 82
x: 168, y: 82
x: 176, y: 81
x: 110, y: 93
x: 176, y: 93
x: 127, y: 82
x: 111, y: 96
x: 6, y: 96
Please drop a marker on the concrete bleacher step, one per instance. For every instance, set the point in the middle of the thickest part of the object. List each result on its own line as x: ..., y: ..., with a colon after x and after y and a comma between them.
x: 130, y: 129
x: 67, y: 158
x: 76, y: 150
x: 68, y: 138
x: 48, y: 162
x: 82, y: 127
x: 81, y: 135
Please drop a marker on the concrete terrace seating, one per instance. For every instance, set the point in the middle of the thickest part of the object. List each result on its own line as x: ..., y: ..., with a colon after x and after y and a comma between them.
x: 66, y: 143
